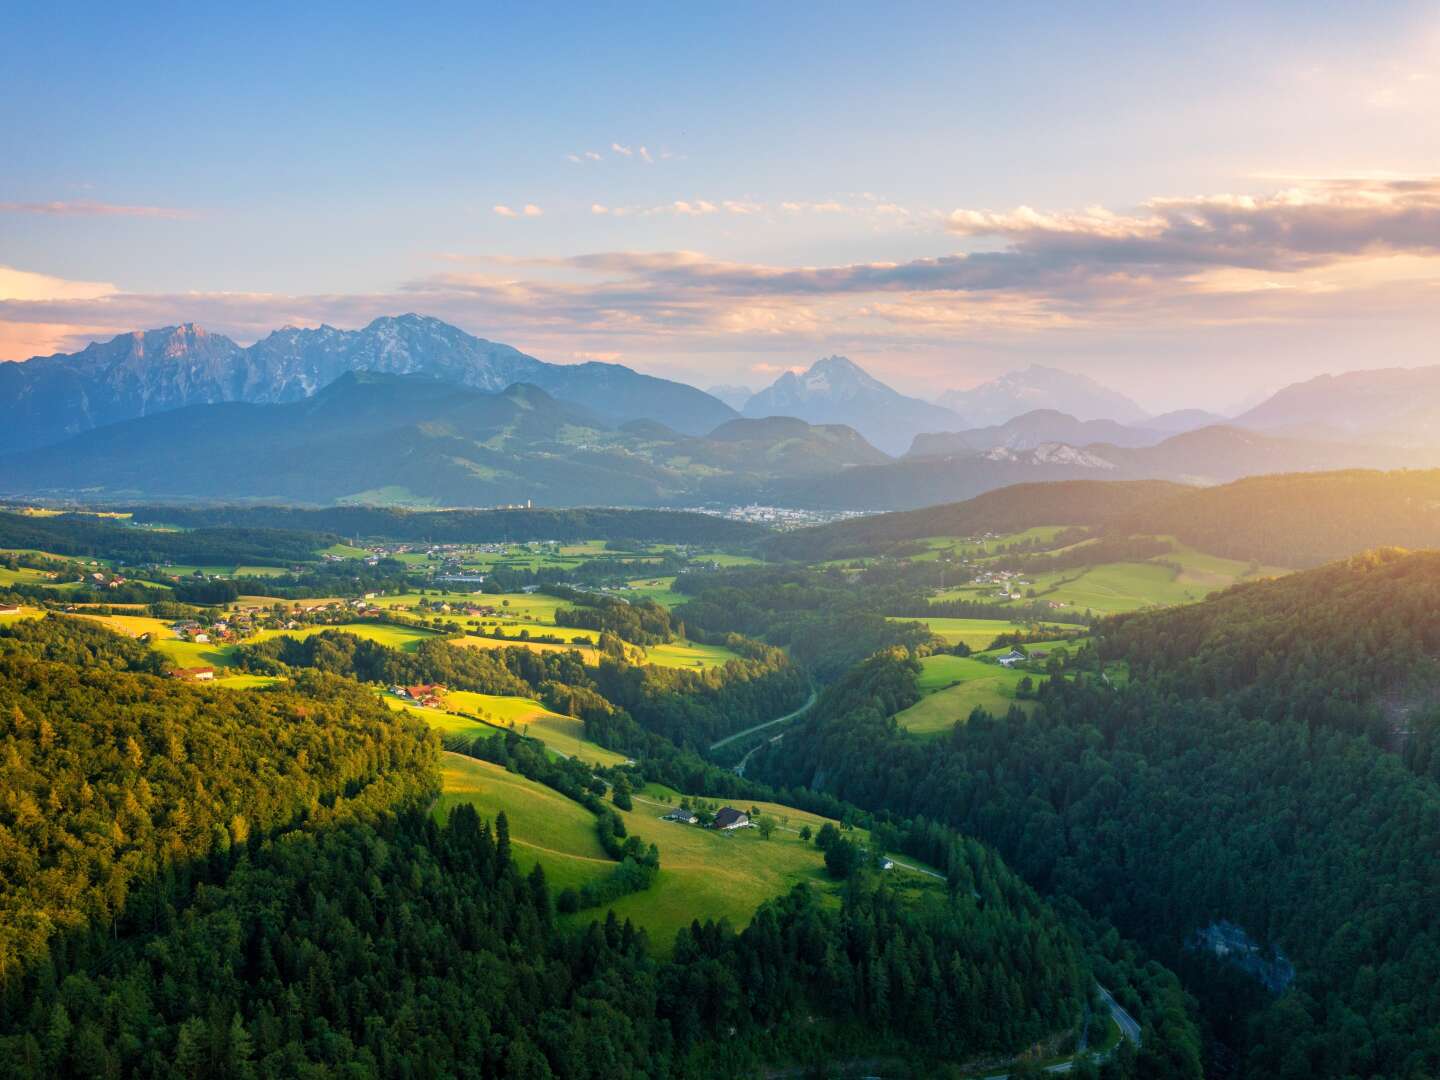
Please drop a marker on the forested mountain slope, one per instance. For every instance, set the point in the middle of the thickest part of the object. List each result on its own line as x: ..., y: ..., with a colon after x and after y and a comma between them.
x: 1170, y: 810
x: 204, y: 882
x: 1355, y: 644
x: 1299, y: 519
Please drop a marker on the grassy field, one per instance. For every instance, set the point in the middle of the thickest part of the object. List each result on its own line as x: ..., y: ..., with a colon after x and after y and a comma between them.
x: 974, y: 548
x: 976, y: 633
x: 535, y: 613
x: 688, y: 654
x: 588, y: 654
x: 197, y: 654
x: 24, y: 613
x: 545, y: 826
x: 703, y: 874
x: 707, y: 874
x: 953, y: 686
x: 1112, y: 588
x: 660, y: 589
x: 23, y: 576
x: 564, y: 734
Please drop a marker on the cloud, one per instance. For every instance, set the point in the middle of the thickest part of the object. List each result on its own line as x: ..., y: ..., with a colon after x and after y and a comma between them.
x: 1288, y: 230
x: 504, y: 211
x: 531, y: 210
x: 528, y: 210
x: 18, y: 284
x: 645, y: 156
x: 85, y: 208
x: 1347, y: 260
x: 623, y: 151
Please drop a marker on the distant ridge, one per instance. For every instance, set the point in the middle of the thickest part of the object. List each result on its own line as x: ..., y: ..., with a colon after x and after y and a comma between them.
x: 46, y: 399
x: 836, y: 390
x: 1037, y: 387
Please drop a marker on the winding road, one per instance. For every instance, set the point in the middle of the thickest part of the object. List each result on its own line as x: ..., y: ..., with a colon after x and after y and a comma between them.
x: 767, y: 724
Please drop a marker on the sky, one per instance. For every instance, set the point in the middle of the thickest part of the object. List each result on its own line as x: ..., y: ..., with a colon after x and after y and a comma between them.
x: 1195, y: 204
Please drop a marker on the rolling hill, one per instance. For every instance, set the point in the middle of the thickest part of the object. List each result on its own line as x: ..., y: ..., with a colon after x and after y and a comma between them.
x: 1212, y: 455
x: 1031, y: 430
x: 409, y: 440
x: 1008, y: 510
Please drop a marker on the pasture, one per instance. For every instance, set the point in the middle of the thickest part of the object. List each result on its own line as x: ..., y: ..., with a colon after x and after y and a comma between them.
x: 980, y: 547
x: 661, y: 590
x: 703, y: 874
x: 953, y: 686
x: 545, y: 826
x: 485, y: 714
x: 976, y: 633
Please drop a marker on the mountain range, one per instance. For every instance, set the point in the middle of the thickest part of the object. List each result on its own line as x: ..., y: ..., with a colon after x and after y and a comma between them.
x: 1207, y: 456
x: 1039, y: 387
x: 837, y: 391
x: 1395, y: 406
x: 49, y: 398
x: 412, y: 440
x: 1031, y: 430
x: 411, y: 411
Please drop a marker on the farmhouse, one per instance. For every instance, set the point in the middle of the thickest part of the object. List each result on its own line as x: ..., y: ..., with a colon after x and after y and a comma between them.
x: 730, y: 818
x: 685, y: 817
x: 424, y: 694
x: 196, y: 674
x: 9, y: 609
x: 1011, y: 658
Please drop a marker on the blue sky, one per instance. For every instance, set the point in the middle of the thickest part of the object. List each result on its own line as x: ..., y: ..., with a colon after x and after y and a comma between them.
x: 246, y: 167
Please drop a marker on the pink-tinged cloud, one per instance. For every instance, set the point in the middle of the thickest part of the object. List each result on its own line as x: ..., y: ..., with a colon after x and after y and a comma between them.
x: 85, y: 208
x: 1357, y: 258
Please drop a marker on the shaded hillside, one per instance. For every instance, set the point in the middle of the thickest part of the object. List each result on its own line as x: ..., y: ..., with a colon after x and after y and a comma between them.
x: 409, y: 440
x: 1074, y: 502
x: 1330, y: 645
x: 1034, y: 429
x: 1299, y: 519
x: 1208, y: 456
x: 470, y: 526
x: 252, y: 543
x: 1399, y: 406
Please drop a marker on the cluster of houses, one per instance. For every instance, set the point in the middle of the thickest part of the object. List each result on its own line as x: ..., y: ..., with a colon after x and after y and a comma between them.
x: 726, y: 818
x: 190, y: 630
x: 428, y: 695
x: 444, y: 607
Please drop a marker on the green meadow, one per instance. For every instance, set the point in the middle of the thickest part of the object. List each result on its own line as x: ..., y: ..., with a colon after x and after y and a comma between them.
x: 976, y: 633
x: 467, y: 715
x: 955, y: 685
x: 704, y: 874
x: 978, y: 548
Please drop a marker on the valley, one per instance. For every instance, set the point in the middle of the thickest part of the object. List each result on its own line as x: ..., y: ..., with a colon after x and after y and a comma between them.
x: 580, y: 692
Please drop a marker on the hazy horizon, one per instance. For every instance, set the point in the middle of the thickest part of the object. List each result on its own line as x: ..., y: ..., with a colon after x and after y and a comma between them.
x: 1194, y: 208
